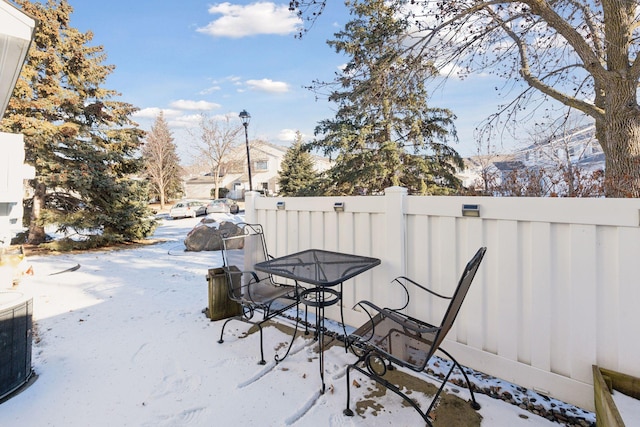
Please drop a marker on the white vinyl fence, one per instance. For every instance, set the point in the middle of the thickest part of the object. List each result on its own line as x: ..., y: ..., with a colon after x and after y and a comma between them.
x: 557, y: 292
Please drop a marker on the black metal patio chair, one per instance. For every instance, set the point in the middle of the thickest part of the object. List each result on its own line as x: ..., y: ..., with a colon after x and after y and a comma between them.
x: 253, y: 290
x: 393, y: 338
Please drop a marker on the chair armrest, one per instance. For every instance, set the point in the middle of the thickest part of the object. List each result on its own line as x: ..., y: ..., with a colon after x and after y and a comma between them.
x: 235, y: 287
x: 402, y: 280
x: 418, y: 285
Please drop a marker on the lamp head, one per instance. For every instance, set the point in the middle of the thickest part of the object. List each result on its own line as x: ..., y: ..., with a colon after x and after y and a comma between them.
x: 245, y: 117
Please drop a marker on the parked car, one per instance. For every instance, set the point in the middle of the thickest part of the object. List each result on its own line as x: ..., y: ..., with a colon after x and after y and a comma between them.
x: 187, y: 209
x: 223, y: 206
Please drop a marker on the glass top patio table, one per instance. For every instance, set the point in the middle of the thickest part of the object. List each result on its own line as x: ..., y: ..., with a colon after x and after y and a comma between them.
x: 318, y: 267
x: 322, y: 270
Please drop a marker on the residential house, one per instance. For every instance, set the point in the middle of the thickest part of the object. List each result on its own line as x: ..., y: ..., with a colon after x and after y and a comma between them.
x: 265, y: 165
x: 578, y: 149
x: 478, y: 168
x: 16, y: 33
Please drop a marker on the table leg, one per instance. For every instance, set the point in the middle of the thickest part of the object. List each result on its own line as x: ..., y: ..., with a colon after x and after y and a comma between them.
x: 344, y: 327
x: 320, y: 298
x: 321, y: 341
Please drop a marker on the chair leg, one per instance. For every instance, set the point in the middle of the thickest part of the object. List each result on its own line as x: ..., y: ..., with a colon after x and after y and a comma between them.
x: 295, y: 332
x: 241, y: 318
x: 390, y: 386
x: 474, y: 404
x: 220, y: 341
x: 437, y: 395
x: 348, y: 412
x: 262, y: 361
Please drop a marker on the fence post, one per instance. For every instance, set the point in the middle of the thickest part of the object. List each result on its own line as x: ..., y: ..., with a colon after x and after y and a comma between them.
x: 395, y: 249
x: 250, y: 216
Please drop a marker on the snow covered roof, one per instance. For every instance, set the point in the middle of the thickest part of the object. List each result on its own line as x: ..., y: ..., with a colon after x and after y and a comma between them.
x: 509, y: 165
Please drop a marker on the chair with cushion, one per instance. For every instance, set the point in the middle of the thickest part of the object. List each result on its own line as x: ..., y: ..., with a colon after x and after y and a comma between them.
x: 260, y: 296
x: 391, y: 338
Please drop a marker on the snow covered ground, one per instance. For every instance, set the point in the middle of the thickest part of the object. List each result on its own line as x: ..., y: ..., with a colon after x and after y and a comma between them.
x: 122, y: 341
x: 628, y: 407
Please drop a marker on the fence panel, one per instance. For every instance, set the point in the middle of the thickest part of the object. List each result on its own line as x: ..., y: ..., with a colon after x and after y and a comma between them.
x: 556, y: 293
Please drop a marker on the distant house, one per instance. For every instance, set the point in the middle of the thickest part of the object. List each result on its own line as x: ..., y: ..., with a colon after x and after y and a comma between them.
x: 16, y: 33
x: 486, y: 165
x: 265, y: 165
x: 504, y: 168
x: 579, y: 148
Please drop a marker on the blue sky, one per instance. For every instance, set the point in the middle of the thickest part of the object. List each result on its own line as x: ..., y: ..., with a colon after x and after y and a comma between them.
x: 188, y: 57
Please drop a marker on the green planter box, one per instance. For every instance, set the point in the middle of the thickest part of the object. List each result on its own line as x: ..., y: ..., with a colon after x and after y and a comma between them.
x: 604, y: 382
x: 220, y: 305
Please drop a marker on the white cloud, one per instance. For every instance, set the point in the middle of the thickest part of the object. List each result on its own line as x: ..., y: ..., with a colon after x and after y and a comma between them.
x: 268, y: 85
x: 183, y: 104
x: 246, y: 20
x: 174, y: 118
x: 177, y: 118
x: 450, y: 70
x: 152, y: 113
x: 147, y: 113
x: 288, y: 135
x: 210, y: 90
x: 193, y: 120
x: 217, y: 84
x: 185, y: 121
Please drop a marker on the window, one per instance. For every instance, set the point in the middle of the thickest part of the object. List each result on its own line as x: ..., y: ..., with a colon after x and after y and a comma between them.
x: 262, y: 165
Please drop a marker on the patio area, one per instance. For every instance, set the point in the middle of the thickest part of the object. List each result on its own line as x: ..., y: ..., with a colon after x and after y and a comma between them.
x: 123, y: 341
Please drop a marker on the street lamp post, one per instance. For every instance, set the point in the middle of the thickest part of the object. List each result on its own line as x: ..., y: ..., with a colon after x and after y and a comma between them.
x: 244, y: 116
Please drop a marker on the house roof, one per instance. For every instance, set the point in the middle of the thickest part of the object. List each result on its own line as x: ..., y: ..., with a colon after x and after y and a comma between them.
x: 575, y: 136
x: 509, y: 165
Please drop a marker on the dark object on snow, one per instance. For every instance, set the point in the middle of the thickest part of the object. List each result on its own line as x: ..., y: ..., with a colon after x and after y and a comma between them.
x: 255, y: 290
x: 16, y: 330
x: 220, y: 305
x: 391, y: 337
x: 206, y: 237
x: 66, y: 270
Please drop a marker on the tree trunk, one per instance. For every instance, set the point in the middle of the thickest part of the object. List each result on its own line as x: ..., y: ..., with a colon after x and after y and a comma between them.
x: 162, y: 191
x: 216, y: 181
x: 619, y: 136
x: 36, y: 229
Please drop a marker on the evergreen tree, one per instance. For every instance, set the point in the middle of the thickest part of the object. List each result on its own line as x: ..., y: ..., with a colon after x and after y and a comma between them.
x: 384, y: 133
x: 82, y: 144
x: 578, y: 54
x: 162, y: 164
x: 297, y: 176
